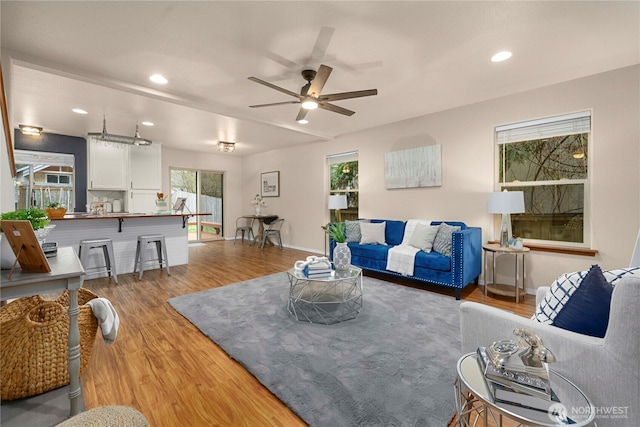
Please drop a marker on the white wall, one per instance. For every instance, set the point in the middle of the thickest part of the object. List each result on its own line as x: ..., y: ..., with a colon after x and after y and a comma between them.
x: 466, y: 136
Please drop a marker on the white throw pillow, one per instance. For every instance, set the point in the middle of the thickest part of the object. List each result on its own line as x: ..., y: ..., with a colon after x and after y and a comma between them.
x: 372, y: 233
x: 423, y: 236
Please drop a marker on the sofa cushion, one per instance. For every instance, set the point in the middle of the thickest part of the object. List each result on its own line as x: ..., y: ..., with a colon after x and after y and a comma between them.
x: 614, y: 276
x: 444, y: 236
x: 432, y: 260
x: 587, y: 310
x: 579, y: 302
x: 352, y: 230
x: 423, y: 237
x: 372, y: 233
x: 567, y: 283
x: 374, y: 252
x: 394, y: 231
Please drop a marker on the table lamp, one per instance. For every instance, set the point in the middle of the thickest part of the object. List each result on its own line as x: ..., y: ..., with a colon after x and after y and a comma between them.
x: 505, y: 203
x: 337, y: 202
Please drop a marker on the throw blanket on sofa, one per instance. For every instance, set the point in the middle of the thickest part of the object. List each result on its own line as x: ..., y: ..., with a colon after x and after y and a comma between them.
x: 401, y: 259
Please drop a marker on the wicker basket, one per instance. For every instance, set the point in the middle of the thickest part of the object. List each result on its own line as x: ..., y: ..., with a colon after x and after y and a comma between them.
x: 34, y: 343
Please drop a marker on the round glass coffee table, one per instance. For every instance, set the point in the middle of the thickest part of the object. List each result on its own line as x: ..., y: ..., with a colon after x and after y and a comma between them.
x: 327, y: 300
x: 474, y: 400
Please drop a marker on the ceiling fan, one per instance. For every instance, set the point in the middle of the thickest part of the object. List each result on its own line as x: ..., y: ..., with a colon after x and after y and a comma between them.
x: 310, y: 97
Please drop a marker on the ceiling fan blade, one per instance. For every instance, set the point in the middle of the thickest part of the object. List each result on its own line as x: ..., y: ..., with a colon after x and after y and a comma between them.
x: 301, y: 114
x: 319, y: 80
x: 335, y: 109
x: 274, y: 103
x: 322, y: 44
x: 348, y: 95
x: 272, y: 86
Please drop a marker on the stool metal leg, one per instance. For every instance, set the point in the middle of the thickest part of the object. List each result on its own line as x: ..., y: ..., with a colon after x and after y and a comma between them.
x: 143, y: 259
x: 136, y: 260
x: 166, y: 257
x: 111, y: 262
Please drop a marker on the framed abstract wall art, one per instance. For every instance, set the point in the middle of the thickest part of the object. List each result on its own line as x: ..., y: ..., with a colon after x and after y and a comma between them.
x: 416, y: 167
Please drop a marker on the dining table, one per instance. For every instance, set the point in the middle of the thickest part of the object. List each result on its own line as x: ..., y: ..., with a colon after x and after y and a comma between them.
x: 262, y: 220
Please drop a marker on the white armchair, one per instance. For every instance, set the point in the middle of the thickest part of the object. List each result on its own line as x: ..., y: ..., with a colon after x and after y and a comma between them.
x: 605, y: 369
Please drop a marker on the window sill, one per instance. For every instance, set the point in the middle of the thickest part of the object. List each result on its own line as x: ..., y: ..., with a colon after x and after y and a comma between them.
x: 559, y: 249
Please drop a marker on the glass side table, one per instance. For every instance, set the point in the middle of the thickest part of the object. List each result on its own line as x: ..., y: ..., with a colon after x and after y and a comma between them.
x: 473, y: 401
x: 327, y: 300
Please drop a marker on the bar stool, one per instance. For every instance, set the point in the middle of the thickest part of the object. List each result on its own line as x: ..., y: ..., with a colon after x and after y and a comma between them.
x: 109, y: 258
x: 141, y: 253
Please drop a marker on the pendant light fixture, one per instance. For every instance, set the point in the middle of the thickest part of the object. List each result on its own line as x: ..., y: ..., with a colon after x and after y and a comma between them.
x: 119, y: 139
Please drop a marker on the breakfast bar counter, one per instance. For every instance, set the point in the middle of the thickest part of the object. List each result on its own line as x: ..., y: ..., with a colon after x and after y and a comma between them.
x: 123, y: 229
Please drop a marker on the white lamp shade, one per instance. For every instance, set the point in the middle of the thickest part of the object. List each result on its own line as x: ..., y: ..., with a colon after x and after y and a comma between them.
x: 338, y: 201
x: 506, y: 202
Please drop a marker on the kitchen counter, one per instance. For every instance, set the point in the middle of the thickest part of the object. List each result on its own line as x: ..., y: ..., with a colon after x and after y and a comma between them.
x: 86, y: 215
x: 123, y: 229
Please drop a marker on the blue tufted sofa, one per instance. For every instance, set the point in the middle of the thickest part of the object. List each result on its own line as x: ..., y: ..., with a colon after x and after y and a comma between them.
x: 463, y: 267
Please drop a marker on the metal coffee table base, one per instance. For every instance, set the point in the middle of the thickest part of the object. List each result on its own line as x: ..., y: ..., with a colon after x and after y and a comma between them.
x: 327, y: 300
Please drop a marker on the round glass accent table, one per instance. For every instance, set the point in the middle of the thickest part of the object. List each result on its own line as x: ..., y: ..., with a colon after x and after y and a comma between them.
x: 473, y: 401
x: 327, y: 300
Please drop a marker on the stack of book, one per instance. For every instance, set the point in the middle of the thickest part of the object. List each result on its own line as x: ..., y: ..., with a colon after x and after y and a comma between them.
x: 318, y: 270
x: 518, y: 387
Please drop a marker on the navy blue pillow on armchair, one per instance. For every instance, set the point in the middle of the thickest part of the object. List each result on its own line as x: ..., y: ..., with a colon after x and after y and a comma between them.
x: 587, y: 310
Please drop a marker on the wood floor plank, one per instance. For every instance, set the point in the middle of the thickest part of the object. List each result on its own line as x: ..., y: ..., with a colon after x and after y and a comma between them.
x: 165, y: 367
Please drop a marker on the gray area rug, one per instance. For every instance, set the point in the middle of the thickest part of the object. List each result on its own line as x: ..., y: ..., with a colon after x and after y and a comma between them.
x: 394, y: 365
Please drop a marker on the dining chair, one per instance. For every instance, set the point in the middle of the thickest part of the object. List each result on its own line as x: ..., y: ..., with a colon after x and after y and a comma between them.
x: 273, y: 229
x: 244, y: 225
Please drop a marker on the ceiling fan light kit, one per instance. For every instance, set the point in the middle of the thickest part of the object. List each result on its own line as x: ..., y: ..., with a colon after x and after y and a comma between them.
x: 310, y: 97
x: 309, y: 104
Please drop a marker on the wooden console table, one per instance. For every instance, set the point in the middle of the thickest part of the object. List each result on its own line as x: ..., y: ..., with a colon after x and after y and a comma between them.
x: 501, y: 289
x: 66, y: 273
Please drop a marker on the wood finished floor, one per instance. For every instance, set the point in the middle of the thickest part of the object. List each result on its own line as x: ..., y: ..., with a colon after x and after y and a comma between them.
x: 163, y: 366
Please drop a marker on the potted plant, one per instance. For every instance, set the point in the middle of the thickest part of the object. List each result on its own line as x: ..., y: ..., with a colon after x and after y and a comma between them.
x: 341, y: 253
x: 37, y: 217
x: 259, y: 203
x: 336, y: 232
x: 55, y: 210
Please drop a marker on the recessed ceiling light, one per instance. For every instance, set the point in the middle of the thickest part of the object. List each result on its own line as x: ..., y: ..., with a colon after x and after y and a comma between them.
x: 501, y: 56
x: 79, y: 111
x: 157, y: 78
x: 147, y: 123
x: 303, y: 121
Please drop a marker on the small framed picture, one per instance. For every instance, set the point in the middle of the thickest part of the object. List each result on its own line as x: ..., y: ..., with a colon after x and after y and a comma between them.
x: 270, y: 184
x: 180, y: 203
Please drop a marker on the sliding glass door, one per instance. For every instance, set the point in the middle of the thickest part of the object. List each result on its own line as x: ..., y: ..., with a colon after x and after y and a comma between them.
x: 203, y: 191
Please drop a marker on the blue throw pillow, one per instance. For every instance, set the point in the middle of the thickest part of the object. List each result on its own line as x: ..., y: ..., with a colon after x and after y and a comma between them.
x: 587, y: 309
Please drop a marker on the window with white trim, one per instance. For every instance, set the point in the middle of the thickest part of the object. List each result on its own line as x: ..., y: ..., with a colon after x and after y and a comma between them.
x: 343, y: 179
x: 547, y: 159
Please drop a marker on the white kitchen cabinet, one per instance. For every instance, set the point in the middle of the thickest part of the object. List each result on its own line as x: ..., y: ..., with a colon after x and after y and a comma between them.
x: 145, y: 167
x: 108, y: 165
x: 141, y: 201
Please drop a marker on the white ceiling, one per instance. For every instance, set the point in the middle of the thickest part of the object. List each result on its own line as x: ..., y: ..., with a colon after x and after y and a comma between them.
x: 423, y: 57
